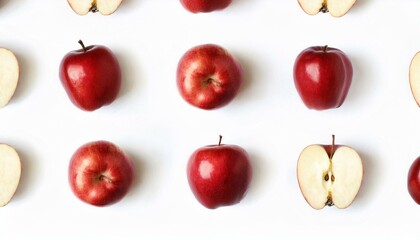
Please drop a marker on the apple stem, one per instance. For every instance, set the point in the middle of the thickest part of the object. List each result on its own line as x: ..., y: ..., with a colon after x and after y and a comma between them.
x: 325, y: 48
x: 220, y: 140
x: 332, y: 146
x: 83, y: 45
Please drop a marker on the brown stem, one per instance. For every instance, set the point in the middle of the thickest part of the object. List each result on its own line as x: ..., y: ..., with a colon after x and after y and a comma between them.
x: 220, y: 140
x: 83, y: 45
x: 325, y: 48
x: 332, y: 146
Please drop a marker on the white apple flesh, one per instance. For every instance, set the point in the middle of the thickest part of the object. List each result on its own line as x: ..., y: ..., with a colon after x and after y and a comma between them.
x: 10, y: 171
x: 414, y: 77
x: 336, y: 8
x: 105, y: 7
x: 329, y: 175
x: 9, y: 75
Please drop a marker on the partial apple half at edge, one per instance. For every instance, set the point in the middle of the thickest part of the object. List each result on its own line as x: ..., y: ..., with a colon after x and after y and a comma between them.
x: 414, y: 77
x: 336, y: 8
x: 10, y: 171
x: 9, y: 75
x: 105, y: 7
x: 327, y: 181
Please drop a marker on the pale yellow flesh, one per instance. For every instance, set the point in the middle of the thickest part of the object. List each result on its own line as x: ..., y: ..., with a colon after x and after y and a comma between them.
x: 105, y: 7
x: 9, y: 75
x: 346, y: 167
x: 414, y: 76
x: 10, y: 171
x: 336, y: 8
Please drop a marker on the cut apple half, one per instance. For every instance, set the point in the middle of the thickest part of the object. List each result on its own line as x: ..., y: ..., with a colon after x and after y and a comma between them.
x: 336, y: 8
x: 414, y: 76
x: 329, y: 175
x: 105, y: 7
x: 10, y: 170
x: 9, y: 75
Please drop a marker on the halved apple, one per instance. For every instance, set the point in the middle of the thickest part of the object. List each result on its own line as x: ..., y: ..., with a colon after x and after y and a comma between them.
x: 10, y: 170
x: 336, y: 8
x: 105, y: 7
x: 414, y: 76
x: 329, y: 175
x: 9, y: 75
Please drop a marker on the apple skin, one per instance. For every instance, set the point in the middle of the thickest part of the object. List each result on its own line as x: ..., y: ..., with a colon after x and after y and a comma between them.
x: 219, y: 175
x: 205, y: 6
x: 208, y: 77
x: 322, y: 77
x: 100, y: 173
x: 413, y: 181
x: 91, y: 76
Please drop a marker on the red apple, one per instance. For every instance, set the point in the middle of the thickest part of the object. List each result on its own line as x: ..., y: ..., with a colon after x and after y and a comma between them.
x: 208, y: 77
x: 100, y: 173
x: 413, y: 181
x: 219, y: 175
x: 91, y: 76
x: 322, y: 77
x: 196, y: 6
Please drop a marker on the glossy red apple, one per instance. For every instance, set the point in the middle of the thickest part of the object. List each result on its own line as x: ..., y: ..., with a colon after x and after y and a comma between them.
x: 322, y: 77
x: 208, y: 77
x: 197, y: 6
x: 91, y: 76
x: 413, y: 180
x: 100, y: 173
x: 219, y: 175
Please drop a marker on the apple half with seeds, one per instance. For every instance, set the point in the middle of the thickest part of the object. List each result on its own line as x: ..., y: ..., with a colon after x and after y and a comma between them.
x: 336, y: 8
x: 10, y: 170
x: 105, y: 7
x: 329, y: 175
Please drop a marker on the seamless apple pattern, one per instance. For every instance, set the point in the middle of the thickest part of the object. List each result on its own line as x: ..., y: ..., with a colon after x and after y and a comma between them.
x: 208, y: 77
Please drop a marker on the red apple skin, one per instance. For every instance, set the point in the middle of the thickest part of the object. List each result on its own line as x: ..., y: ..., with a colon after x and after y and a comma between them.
x: 322, y: 77
x: 208, y: 77
x: 205, y: 6
x: 100, y: 173
x: 219, y: 175
x: 91, y: 76
x: 413, y: 180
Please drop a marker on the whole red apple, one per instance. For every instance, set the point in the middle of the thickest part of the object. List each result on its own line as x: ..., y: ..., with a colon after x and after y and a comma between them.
x: 91, y: 76
x: 100, y: 173
x: 322, y: 77
x: 208, y: 77
x: 413, y: 181
x: 219, y: 175
x: 196, y: 6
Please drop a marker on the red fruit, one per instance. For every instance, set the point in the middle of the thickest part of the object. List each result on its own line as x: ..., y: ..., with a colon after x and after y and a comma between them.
x: 322, y: 77
x: 219, y: 175
x: 91, y: 76
x: 100, y: 173
x: 208, y: 77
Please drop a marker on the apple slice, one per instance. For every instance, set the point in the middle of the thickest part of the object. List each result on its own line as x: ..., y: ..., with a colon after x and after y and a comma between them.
x: 414, y: 76
x: 329, y: 175
x: 336, y: 8
x: 105, y: 7
x: 9, y: 75
x: 10, y: 170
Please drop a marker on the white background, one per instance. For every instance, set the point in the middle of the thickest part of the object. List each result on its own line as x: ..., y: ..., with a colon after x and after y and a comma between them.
x: 152, y: 123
